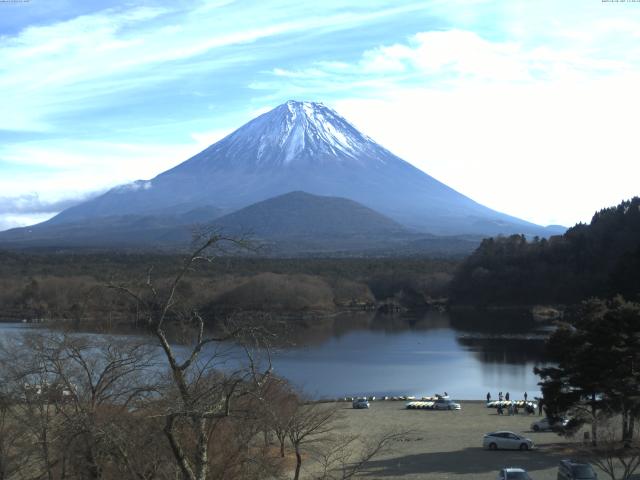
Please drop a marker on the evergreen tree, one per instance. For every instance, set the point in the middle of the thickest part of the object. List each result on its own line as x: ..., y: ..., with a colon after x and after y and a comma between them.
x: 598, y: 367
x: 599, y: 259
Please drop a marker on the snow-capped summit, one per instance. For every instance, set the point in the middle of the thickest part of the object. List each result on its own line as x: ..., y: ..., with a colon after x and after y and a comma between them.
x: 317, y: 129
x: 292, y: 133
x: 304, y: 147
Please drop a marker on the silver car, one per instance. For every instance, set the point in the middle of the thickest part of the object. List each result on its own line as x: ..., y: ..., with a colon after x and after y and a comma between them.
x: 572, y: 470
x: 513, y: 473
x: 445, y: 404
x: 360, y: 402
x: 547, y: 425
x: 506, y: 440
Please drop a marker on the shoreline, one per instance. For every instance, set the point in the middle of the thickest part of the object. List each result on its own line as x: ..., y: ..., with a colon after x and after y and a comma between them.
x: 406, y: 399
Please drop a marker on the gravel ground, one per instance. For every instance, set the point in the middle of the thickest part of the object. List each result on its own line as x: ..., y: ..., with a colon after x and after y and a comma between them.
x: 448, y: 444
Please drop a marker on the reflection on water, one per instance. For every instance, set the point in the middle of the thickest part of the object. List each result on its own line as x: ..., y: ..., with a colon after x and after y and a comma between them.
x: 504, y: 350
x: 465, y: 353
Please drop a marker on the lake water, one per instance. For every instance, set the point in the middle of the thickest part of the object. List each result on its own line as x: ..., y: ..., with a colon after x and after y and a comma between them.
x: 465, y: 354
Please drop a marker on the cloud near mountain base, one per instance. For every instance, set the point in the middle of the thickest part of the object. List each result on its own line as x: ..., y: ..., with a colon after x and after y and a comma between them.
x: 30, y: 208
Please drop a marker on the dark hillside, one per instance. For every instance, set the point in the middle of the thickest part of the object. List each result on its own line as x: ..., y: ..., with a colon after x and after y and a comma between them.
x: 300, y: 214
x: 599, y: 259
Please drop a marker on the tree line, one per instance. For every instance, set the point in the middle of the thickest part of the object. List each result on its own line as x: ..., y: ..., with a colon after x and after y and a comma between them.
x: 599, y: 259
x: 593, y: 376
x: 70, y: 288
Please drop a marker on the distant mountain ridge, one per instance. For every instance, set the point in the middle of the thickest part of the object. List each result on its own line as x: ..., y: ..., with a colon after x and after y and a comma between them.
x: 293, y: 224
x: 296, y: 147
x: 300, y: 222
x: 300, y: 214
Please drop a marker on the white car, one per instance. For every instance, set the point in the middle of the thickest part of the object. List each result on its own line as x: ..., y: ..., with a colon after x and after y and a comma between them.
x: 547, y: 425
x: 506, y: 440
x: 445, y: 404
x: 512, y: 473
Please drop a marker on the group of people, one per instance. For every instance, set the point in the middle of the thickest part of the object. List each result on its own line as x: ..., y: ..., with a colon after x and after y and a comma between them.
x: 506, y: 397
x: 512, y: 407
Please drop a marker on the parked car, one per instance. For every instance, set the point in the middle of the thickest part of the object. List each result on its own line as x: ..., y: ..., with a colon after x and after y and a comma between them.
x: 513, y: 473
x: 446, y: 404
x: 547, y: 424
x: 570, y: 470
x: 360, y: 403
x: 506, y: 440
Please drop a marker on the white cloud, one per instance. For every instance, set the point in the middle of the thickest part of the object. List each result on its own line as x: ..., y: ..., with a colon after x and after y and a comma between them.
x: 61, y: 173
x: 86, y: 166
x: 453, y: 51
x: 31, y: 203
x: 204, y: 139
x: 550, y: 155
x: 134, y: 186
x: 76, y: 64
x: 544, y: 131
x: 449, y: 57
x: 546, y: 136
x: 526, y: 111
x: 22, y: 220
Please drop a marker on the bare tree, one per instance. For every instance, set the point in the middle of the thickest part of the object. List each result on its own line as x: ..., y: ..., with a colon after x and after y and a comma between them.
x: 619, y: 459
x: 13, y: 440
x: 346, y: 456
x: 25, y: 381
x: 105, y: 380
x: 77, y: 399
x: 278, y: 406
x: 311, y: 423
x: 201, y: 395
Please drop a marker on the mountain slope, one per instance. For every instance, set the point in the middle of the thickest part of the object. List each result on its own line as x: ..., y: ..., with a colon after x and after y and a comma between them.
x: 116, y: 231
x: 303, y: 146
x: 299, y: 214
x: 300, y: 223
x: 294, y: 224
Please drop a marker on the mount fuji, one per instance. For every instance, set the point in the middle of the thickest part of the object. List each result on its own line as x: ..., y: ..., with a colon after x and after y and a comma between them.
x: 296, y: 147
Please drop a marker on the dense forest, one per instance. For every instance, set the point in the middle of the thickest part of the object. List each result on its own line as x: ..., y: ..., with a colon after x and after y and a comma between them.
x: 74, y: 287
x: 599, y: 259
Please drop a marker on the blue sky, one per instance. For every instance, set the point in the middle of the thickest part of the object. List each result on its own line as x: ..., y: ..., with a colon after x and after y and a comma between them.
x: 527, y: 107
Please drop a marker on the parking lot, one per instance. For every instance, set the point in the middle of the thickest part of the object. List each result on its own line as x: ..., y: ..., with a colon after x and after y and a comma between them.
x: 448, y: 444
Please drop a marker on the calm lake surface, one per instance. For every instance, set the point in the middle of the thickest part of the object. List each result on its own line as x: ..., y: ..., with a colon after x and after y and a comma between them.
x: 464, y: 353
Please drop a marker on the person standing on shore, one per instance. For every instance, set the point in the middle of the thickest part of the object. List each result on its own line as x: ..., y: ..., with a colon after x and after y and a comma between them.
x: 500, y: 396
x: 488, y: 397
x: 525, y: 396
x: 506, y: 397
